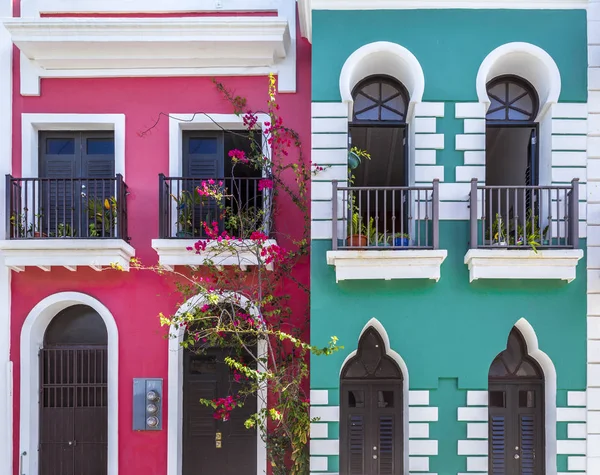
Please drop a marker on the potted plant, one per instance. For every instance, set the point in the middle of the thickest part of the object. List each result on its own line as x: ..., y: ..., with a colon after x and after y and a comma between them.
x: 186, y: 202
x: 103, y: 216
x: 20, y: 228
x: 401, y: 240
x: 355, y: 156
x: 359, y: 238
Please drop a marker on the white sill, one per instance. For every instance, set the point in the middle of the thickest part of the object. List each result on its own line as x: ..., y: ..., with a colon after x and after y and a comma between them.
x: 174, y: 252
x: 559, y: 264
x: 46, y: 253
x: 387, y: 265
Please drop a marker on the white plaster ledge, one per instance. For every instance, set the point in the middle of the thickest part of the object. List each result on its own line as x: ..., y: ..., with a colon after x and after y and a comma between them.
x: 522, y: 264
x: 387, y: 265
x: 121, y: 47
x: 174, y: 252
x: 68, y: 253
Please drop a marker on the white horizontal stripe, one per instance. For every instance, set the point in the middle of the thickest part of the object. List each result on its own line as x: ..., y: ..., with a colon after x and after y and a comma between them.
x: 423, y: 447
x: 474, y: 126
x: 332, y: 172
x: 472, y: 414
x: 324, y: 447
x: 477, y: 430
x: 325, y: 413
x: 570, y: 447
x: 454, y: 210
x: 569, y: 126
x: 454, y: 191
x: 329, y: 141
x: 320, y: 230
x: 576, y: 398
x: 426, y: 174
x: 425, y: 124
x: 576, y: 430
x: 418, y: 398
x: 565, y: 110
x: 425, y: 157
x: 318, y: 431
x: 422, y: 414
x: 418, y: 464
x: 429, y: 109
x: 572, y: 159
x: 477, y: 398
x: 319, y: 396
x: 477, y: 464
x: 468, y: 172
x: 330, y: 157
x: 576, y: 463
x: 429, y: 141
x: 472, y: 447
x: 329, y: 109
x: 475, y: 157
x: 329, y: 125
x: 566, y: 174
x: 418, y: 430
x: 469, y: 110
x: 569, y: 142
x: 318, y: 463
x: 470, y: 142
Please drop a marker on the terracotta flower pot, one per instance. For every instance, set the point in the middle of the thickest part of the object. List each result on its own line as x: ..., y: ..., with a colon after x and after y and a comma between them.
x: 357, y: 240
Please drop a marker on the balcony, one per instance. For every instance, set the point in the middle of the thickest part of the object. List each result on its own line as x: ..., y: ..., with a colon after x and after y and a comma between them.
x: 187, y: 217
x: 524, y: 232
x: 67, y: 222
x: 386, y: 232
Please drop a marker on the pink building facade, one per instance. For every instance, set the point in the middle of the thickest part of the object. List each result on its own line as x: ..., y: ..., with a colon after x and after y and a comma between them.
x: 79, y: 83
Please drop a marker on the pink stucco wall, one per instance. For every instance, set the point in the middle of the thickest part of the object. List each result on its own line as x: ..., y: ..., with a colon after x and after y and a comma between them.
x: 136, y: 298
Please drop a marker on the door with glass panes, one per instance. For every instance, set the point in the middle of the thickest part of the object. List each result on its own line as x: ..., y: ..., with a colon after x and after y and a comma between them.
x: 78, y: 181
x: 371, y: 438
x: 516, y: 412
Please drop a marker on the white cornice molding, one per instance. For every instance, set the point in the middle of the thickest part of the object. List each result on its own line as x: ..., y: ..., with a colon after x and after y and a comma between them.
x: 120, y: 47
x: 306, y: 7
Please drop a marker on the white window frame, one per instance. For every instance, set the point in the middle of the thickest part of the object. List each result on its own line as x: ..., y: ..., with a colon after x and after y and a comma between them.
x: 32, y: 339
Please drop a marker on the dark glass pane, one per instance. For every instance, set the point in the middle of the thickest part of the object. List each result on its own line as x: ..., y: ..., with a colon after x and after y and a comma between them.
x: 203, y: 364
x: 64, y: 146
x: 497, y: 399
x: 104, y: 146
x: 387, y: 91
x: 516, y: 115
x: 385, y: 398
x: 371, y: 114
x: 76, y: 325
x: 499, y: 90
x: 497, y: 369
x: 525, y: 103
x: 387, y: 114
x: 372, y: 90
x: 356, y: 370
x: 527, y: 369
x: 356, y: 398
x: 203, y: 145
x: 388, y: 369
x: 497, y: 115
x: 526, y: 398
x: 362, y: 102
x: 397, y: 104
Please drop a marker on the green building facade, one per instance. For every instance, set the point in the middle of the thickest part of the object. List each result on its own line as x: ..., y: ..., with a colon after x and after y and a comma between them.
x: 433, y: 387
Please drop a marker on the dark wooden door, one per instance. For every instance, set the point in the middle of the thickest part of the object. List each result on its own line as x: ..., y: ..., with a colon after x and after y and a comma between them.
x: 516, y: 429
x: 371, y: 437
x: 207, y: 376
x: 73, y: 411
x: 81, y: 169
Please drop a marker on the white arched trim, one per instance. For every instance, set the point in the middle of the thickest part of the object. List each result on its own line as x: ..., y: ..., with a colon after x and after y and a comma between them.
x: 549, y: 391
x: 527, y: 61
x: 32, y: 339
x: 175, y: 390
x: 382, y: 57
x: 376, y: 325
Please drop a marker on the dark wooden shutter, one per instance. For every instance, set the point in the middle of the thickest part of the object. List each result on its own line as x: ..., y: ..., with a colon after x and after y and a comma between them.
x: 59, y: 160
x: 528, y: 439
x: 356, y: 444
x: 497, y: 431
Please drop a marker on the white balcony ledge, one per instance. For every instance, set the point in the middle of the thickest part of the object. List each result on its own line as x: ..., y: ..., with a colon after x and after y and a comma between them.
x: 124, y: 47
x: 68, y: 253
x: 387, y: 265
x: 522, y: 264
x: 174, y: 252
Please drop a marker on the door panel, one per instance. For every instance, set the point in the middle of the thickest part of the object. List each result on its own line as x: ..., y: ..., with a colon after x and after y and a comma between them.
x: 206, y: 376
x: 371, y: 432
x: 515, y: 429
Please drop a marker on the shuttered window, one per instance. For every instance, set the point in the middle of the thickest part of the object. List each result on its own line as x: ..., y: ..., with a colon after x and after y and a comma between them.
x: 371, y: 438
x: 516, y: 402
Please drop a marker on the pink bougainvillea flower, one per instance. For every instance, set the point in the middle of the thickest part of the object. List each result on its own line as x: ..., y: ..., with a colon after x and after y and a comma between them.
x: 265, y: 183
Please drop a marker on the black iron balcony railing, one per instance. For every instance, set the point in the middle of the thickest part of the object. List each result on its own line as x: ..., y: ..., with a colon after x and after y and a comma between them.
x: 386, y: 217
x: 197, y: 208
x: 545, y: 217
x: 74, y: 208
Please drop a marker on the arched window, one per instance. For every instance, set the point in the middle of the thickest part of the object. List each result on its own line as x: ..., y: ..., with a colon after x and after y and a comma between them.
x: 512, y: 99
x: 74, y: 393
x: 379, y: 98
x: 516, y: 411
x: 371, y: 437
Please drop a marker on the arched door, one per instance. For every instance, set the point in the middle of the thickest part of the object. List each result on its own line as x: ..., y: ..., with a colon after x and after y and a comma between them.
x: 516, y: 411
x: 371, y: 437
x: 74, y: 394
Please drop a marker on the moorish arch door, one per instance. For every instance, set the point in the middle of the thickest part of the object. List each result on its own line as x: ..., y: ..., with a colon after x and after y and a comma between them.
x: 516, y: 411
x: 371, y: 438
x: 74, y: 394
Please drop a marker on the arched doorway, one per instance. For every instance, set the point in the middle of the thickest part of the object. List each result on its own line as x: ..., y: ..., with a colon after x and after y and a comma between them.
x: 516, y: 411
x: 212, y: 445
x: 371, y: 421
x: 74, y: 394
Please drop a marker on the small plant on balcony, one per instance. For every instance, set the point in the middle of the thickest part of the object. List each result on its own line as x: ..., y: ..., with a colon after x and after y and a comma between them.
x: 516, y: 234
x: 20, y: 227
x: 65, y: 230
x: 400, y: 239
x: 188, y: 203
x: 103, y: 216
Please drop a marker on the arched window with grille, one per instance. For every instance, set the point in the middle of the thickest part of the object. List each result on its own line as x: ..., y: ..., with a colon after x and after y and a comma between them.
x: 516, y: 411
x: 371, y: 421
